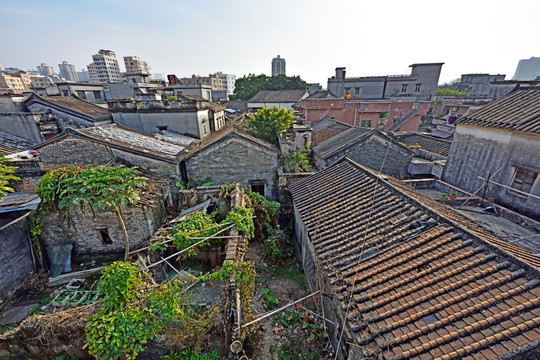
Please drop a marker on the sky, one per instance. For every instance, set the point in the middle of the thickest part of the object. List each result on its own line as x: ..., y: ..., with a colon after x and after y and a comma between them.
x: 242, y: 36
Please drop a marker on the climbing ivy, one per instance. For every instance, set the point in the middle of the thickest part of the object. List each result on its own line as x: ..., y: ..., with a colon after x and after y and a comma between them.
x: 99, y: 187
x: 242, y: 218
x: 181, y: 233
x: 6, y: 174
x: 133, y: 312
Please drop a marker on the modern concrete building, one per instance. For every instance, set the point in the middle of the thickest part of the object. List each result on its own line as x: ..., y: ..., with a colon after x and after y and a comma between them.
x: 476, y: 84
x: 135, y: 65
x: 278, y: 66
x: 94, y: 93
x: 228, y: 81
x: 528, y: 69
x: 83, y: 75
x: 421, y: 83
x: 92, y: 73
x: 8, y: 81
x: 106, y: 67
x: 68, y: 71
x: 45, y: 70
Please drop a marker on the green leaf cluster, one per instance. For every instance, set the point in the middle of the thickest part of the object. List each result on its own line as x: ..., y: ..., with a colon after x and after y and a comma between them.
x: 450, y: 92
x: 247, y: 86
x: 99, y: 187
x: 268, y: 123
x: 242, y: 218
x: 198, y: 221
x: 6, y: 174
x: 297, y: 161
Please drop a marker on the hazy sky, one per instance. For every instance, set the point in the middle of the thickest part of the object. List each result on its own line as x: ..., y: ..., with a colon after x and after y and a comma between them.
x: 242, y: 37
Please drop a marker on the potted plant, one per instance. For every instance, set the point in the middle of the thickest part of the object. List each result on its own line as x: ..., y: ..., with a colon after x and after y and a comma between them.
x: 453, y: 195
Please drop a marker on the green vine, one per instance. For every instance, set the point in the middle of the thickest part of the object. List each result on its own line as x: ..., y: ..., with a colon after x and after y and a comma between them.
x: 34, y: 227
x: 181, y: 233
x: 133, y: 312
x: 242, y: 218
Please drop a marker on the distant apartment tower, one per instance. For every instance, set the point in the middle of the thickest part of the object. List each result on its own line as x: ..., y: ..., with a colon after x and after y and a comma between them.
x: 83, y: 75
x: 528, y: 69
x: 228, y: 81
x: 45, y: 70
x: 136, y: 65
x: 68, y: 71
x: 106, y: 67
x: 92, y: 73
x: 278, y: 66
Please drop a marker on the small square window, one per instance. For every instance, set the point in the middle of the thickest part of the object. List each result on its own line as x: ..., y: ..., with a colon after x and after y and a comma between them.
x: 523, y: 180
x: 366, y: 123
x: 258, y: 188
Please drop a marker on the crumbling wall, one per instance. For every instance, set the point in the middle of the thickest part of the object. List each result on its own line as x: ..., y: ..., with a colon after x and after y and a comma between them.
x: 40, y: 336
x: 101, y: 233
x: 16, y: 263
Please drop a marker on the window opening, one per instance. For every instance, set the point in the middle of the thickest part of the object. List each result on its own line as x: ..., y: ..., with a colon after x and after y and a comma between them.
x: 105, y: 236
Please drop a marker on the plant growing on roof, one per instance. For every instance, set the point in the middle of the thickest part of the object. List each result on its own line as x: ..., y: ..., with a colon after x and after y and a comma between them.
x: 6, y: 174
x: 100, y: 187
x: 297, y: 161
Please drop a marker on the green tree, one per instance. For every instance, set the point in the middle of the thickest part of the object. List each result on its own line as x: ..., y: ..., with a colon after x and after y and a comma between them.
x: 450, y: 92
x: 247, y: 86
x: 268, y: 123
x: 6, y: 174
x: 99, y: 187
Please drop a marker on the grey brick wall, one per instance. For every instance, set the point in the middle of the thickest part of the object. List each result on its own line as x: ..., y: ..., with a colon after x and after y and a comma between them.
x: 83, y: 229
x: 76, y: 151
x: 236, y: 159
x: 16, y: 264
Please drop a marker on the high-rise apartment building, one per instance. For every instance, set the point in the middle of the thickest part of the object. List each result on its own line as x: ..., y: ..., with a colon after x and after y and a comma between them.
x: 228, y: 81
x: 68, y: 71
x: 278, y: 66
x: 528, y: 69
x: 136, y: 65
x: 92, y: 73
x: 45, y: 70
x: 106, y: 67
x: 83, y: 76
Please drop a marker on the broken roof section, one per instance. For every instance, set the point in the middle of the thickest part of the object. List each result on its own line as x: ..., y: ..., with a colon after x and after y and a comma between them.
x: 19, y: 201
x: 11, y: 144
x: 429, y: 143
x: 416, y: 284
x: 517, y: 111
x: 72, y: 105
x: 122, y: 137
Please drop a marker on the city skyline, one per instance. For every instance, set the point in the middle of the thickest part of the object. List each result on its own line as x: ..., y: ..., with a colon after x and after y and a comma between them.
x: 315, y: 37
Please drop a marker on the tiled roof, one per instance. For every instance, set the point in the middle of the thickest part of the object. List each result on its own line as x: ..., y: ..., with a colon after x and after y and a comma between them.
x: 417, y: 286
x: 518, y: 111
x: 228, y: 131
x: 240, y: 105
x: 127, y: 138
x: 322, y: 94
x: 276, y: 96
x: 427, y: 142
x: 342, y: 140
x: 73, y: 104
x: 11, y: 144
x: 326, y: 128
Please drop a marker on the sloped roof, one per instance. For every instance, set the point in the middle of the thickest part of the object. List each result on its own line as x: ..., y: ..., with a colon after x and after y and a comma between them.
x: 122, y: 137
x: 72, y: 104
x: 340, y: 141
x: 519, y: 110
x: 11, y: 144
x: 427, y: 142
x: 277, y: 96
x: 417, y: 286
x: 240, y: 105
x: 225, y: 133
x: 322, y: 94
x: 326, y: 128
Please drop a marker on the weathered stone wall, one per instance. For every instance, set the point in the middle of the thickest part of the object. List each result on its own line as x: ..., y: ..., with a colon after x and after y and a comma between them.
x: 236, y: 159
x: 85, y: 230
x: 75, y: 151
x: 15, y: 257
x: 23, y: 125
x: 476, y: 152
x: 30, y: 172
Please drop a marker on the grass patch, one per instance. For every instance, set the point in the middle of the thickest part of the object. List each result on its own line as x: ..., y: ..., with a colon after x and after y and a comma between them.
x: 287, y: 272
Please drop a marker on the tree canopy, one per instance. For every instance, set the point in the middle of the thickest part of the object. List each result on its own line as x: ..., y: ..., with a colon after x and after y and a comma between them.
x: 268, y: 123
x: 6, y: 174
x: 247, y: 86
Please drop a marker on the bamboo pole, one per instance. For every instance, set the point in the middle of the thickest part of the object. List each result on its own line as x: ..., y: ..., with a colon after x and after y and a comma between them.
x: 279, y: 310
x: 189, y: 247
